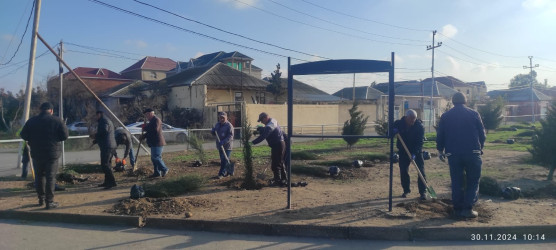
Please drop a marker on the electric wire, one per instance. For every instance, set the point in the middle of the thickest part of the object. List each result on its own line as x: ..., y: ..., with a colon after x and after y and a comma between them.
x: 15, y: 31
x: 106, y: 55
x: 228, y: 32
x: 191, y: 31
x: 364, y: 19
x: 321, y: 28
x: 23, y: 65
x: 343, y: 26
x: 22, y: 36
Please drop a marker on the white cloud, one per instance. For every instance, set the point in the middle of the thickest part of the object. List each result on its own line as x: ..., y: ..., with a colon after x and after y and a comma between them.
x: 533, y: 4
x: 449, y: 30
x: 242, y: 4
x: 140, y: 44
x: 455, y: 64
x: 7, y: 37
x: 398, y: 59
x: 199, y: 54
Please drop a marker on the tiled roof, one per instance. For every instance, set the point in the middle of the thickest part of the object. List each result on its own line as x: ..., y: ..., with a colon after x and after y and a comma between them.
x: 101, y: 73
x: 215, y: 76
x: 213, y: 58
x: 361, y: 93
x: 303, y: 92
x: 519, y: 95
x: 152, y: 63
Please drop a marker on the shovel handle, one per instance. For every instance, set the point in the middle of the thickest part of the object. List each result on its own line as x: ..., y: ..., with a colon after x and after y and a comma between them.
x: 413, y: 161
x: 222, y: 148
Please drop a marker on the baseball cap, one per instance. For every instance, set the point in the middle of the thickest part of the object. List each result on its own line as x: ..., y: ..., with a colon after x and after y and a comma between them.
x: 262, y: 116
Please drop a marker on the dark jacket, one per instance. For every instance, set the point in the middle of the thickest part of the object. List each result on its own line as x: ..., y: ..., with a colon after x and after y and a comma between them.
x: 44, y: 133
x: 105, y: 134
x: 225, y: 133
x: 272, y: 133
x: 153, y: 133
x: 412, y: 136
x: 123, y: 136
x: 460, y: 131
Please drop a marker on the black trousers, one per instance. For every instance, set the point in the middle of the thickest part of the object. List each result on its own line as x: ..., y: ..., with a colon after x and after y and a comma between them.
x: 405, y: 163
x: 45, y: 173
x: 277, y: 152
x: 105, y: 159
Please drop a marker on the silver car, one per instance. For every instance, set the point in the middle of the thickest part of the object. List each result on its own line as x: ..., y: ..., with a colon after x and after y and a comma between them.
x: 171, y: 134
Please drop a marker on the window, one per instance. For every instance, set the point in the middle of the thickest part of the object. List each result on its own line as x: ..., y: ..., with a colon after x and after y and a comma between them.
x: 153, y: 74
x: 239, y: 96
x: 260, y: 97
x: 468, y: 92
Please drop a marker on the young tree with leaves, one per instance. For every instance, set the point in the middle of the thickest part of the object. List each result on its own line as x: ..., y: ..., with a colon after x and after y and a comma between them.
x: 249, y: 182
x: 491, y: 113
x: 355, y: 125
x: 275, y: 86
x: 544, y: 142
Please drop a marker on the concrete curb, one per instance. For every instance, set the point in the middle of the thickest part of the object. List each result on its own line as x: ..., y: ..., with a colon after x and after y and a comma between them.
x: 523, y: 233
x: 134, y: 221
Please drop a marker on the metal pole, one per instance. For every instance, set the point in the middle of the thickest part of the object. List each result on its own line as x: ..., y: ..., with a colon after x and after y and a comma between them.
x: 432, y: 47
x: 61, y: 108
x: 290, y: 132
x: 391, y: 100
x: 30, y: 71
x: 89, y: 89
x: 353, y: 90
x: 531, y: 85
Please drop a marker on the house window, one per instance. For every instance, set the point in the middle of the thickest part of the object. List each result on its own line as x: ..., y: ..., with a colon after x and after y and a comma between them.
x: 260, y: 97
x: 239, y: 96
x: 153, y: 74
x: 468, y: 92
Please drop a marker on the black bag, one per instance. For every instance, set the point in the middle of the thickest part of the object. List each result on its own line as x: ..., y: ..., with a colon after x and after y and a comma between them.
x: 137, y: 192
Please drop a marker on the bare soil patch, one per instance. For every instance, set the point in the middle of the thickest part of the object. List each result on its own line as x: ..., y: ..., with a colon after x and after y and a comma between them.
x: 357, y: 197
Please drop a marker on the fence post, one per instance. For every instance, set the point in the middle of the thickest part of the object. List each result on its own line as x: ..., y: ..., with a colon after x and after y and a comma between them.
x: 322, y: 132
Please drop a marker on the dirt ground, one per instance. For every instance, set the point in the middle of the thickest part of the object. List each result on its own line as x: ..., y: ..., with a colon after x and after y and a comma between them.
x: 358, y: 197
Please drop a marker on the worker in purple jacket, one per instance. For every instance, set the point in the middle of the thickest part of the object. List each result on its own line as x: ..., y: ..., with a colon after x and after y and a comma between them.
x: 461, y: 138
x: 275, y: 139
x: 225, y: 131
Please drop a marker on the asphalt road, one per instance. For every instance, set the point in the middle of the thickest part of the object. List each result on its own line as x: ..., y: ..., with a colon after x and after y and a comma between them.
x: 41, y: 235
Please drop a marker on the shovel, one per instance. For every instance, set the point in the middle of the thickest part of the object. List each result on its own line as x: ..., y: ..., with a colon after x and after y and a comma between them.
x: 229, y: 165
x: 139, y: 147
x: 430, y: 190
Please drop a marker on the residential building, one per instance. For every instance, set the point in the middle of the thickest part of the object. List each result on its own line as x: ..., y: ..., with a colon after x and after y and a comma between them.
x: 149, y: 69
x: 519, y: 106
x: 234, y: 60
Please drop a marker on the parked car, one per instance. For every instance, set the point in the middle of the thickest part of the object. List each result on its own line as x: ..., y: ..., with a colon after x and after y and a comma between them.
x: 81, y: 128
x: 171, y: 134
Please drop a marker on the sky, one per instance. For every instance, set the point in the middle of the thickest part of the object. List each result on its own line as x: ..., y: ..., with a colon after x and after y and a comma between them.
x: 481, y: 40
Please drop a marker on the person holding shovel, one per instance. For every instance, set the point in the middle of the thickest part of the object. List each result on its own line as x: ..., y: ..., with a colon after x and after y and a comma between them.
x: 224, y: 132
x: 123, y: 136
x: 275, y: 139
x: 412, y: 133
x: 107, y: 144
x: 44, y: 133
x: 155, y: 140
x: 460, y: 137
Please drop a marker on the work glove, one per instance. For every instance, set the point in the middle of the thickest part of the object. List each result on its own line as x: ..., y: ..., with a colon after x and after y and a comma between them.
x: 117, y: 160
x: 123, y: 162
x: 394, y: 132
x: 441, y: 156
x: 413, y: 157
x: 220, y: 144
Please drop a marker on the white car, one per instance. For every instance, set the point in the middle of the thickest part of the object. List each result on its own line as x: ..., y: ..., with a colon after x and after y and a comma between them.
x: 170, y: 133
x: 81, y: 128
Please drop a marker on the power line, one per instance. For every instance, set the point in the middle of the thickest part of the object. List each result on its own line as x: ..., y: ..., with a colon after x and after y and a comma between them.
x: 106, y: 55
x: 15, y: 31
x: 228, y: 32
x: 364, y: 19
x: 484, y: 51
x: 343, y: 26
x: 102, y: 50
x: 22, y: 36
x: 190, y: 31
x: 321, y: 28
x: 23, y: 65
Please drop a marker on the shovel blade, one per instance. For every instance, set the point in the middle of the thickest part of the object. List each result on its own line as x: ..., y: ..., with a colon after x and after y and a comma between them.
x: 431, y: 192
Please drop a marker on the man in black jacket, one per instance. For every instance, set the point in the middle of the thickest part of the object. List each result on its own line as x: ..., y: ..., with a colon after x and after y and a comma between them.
x: 413, y: 133
x: 44, y: 133
x: 107, y: 144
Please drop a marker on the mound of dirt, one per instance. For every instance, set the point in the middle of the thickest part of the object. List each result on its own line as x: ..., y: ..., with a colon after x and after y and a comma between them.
x: 149, y: 206
x: 430, y: 209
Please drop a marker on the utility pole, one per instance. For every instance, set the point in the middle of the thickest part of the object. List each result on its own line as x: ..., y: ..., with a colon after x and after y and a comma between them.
x: 432, y: 47
x: 530, y: 67
x: 353, y: 90
x: 30, y: 71
x: 61, y: 103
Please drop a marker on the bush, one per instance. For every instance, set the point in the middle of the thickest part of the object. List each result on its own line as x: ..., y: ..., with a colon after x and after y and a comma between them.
x: 544, y: 144
x: 315, y: 171
x: 303, y: 155
x: 83, y: 168
x: 381, y: 127
x: 355, y: 125
x: 491, y: 113
x: 489, y: 186
x: 174, y: 186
